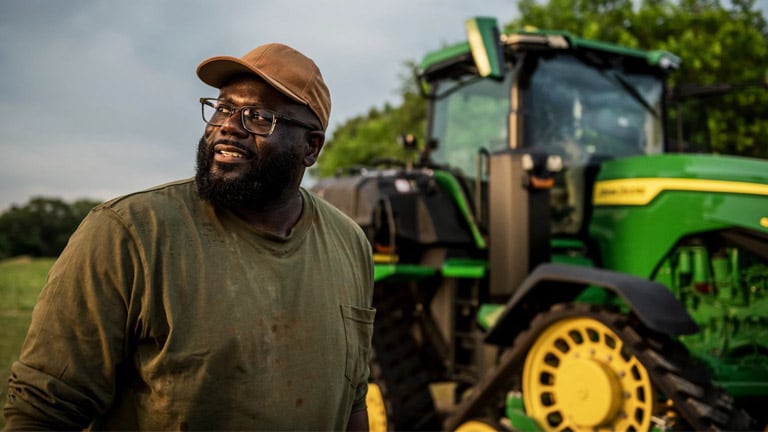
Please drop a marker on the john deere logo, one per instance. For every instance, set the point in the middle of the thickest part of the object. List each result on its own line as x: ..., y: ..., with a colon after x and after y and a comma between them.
x: 764, y: 222
x: 641, y: 191
x: 624, y: 190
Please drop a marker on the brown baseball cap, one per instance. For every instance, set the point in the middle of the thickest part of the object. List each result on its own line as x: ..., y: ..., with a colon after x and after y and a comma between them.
x: 289, y: 71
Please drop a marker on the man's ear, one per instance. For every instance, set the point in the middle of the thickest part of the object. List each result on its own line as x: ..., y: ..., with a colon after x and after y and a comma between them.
x: 315, y: 140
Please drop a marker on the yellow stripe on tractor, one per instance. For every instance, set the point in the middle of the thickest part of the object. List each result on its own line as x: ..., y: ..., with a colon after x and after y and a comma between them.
x: 641, y: 191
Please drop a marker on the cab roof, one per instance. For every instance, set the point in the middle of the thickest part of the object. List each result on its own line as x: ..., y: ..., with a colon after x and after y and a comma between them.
x: 544, y: 40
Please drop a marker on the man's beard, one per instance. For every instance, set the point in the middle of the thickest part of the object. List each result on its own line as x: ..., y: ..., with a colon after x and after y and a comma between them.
x: 260, y: 186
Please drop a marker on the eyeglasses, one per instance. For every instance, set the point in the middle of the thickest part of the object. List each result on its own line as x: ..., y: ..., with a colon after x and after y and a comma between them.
x: 256, y: 120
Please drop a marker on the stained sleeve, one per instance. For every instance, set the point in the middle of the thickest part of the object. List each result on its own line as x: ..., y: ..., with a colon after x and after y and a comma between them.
x: 66, y: 374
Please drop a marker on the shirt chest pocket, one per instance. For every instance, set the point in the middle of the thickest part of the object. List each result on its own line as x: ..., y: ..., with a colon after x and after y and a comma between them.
x: 358, y: 331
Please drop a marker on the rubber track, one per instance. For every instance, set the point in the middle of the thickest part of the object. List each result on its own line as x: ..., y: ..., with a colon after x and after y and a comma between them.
x: 702, y: 405
x: 397, y: 367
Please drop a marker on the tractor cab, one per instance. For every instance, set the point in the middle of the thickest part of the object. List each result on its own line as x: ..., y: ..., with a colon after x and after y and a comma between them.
x: 554, y: 94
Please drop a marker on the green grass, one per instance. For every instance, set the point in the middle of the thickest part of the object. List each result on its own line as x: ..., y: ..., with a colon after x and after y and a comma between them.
x: 20, y: 282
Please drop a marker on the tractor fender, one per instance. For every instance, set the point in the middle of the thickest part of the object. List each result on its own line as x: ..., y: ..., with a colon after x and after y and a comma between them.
x: 552, y: 283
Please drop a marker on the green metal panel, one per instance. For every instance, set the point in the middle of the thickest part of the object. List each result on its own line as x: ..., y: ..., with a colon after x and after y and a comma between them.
x: 448, y: 53
x: 654, y: 57
x: 573, y: 259
x: 488, y: 314
x: 465, y: 268
x: 393, y: 272
x: 662, y: 198
x: 515, y: 411
x: 483, y: 36
x: 711, y: 167
x: 451, y: 185
x: 462, y: 50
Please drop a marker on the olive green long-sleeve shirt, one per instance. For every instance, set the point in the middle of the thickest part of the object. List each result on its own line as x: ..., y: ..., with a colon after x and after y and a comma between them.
x: 164, y: 313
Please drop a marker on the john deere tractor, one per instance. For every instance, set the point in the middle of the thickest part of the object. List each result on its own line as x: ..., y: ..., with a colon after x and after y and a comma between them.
x: 548, y: 261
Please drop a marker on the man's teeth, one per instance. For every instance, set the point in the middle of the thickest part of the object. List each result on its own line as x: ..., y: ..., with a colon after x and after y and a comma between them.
x: 231, y: 154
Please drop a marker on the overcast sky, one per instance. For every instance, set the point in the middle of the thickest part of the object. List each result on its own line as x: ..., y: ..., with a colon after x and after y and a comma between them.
x: 99, y: 98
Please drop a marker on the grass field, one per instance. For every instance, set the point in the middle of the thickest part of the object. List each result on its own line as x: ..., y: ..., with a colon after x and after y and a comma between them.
x: 20, y: 282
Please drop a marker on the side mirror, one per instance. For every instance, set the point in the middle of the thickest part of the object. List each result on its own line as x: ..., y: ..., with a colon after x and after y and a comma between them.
x: 485, y: 44
x: 408, y: 141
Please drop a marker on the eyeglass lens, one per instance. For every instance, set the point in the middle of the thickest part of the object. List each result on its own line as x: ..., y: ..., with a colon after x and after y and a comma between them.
x: 254, y: 120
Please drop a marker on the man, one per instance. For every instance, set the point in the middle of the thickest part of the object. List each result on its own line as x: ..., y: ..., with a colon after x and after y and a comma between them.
x: 234, y: 301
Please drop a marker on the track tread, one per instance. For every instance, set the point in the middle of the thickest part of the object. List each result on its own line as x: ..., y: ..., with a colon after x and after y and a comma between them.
x: 679, y: 376
x: 397, y: 368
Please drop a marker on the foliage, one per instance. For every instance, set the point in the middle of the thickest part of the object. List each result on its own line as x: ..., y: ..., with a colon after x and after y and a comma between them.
x: 717, y: 44
x: 362, y: 139
x: 40, y: 228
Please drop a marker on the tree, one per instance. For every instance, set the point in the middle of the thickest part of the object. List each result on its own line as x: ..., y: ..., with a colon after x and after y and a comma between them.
x: 362, y: 139
x: 41, y: 227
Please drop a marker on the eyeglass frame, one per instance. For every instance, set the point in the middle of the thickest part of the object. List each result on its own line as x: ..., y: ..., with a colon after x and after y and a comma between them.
x: 241, y: 109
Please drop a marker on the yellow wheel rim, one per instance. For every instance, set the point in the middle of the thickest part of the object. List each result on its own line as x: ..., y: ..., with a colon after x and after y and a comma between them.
x: 377, y: 411
x: 577, y: 376
x: 476, y: 426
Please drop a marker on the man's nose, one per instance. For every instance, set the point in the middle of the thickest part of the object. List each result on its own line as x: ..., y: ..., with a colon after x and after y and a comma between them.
x: 234, y: 125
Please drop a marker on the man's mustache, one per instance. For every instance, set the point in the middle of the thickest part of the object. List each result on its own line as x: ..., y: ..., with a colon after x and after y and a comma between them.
x: 248, y: 152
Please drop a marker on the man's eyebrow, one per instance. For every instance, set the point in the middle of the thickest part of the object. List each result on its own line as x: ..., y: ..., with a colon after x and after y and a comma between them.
x: 229, y: 101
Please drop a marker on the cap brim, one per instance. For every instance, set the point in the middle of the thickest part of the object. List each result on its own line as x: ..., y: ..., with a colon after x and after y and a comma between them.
x: 215, y: 72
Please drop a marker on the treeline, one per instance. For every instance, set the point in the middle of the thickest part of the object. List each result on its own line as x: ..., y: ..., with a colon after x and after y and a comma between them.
x: 40, y: 228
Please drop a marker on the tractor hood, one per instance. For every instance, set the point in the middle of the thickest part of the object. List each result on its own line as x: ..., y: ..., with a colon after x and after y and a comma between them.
x: 650, y: 203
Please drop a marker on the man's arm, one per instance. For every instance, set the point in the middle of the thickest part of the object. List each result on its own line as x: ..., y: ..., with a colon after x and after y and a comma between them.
x: 65, y: 375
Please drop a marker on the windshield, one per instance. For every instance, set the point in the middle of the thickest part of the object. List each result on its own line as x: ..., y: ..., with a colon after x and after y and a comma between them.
x: 568, y: 107
x: 467, y: 118
x: 581, y: 111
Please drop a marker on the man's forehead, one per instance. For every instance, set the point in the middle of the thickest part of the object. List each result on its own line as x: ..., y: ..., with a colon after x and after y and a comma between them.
x: 247, y: 89
x: 253, y: 92
x: 249, y: 85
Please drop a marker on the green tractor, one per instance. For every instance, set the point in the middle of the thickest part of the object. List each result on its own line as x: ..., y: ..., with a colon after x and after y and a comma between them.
x: 550, y: 262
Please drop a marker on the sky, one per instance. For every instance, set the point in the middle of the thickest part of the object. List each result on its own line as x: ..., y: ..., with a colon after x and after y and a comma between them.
x: 100, y: 98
